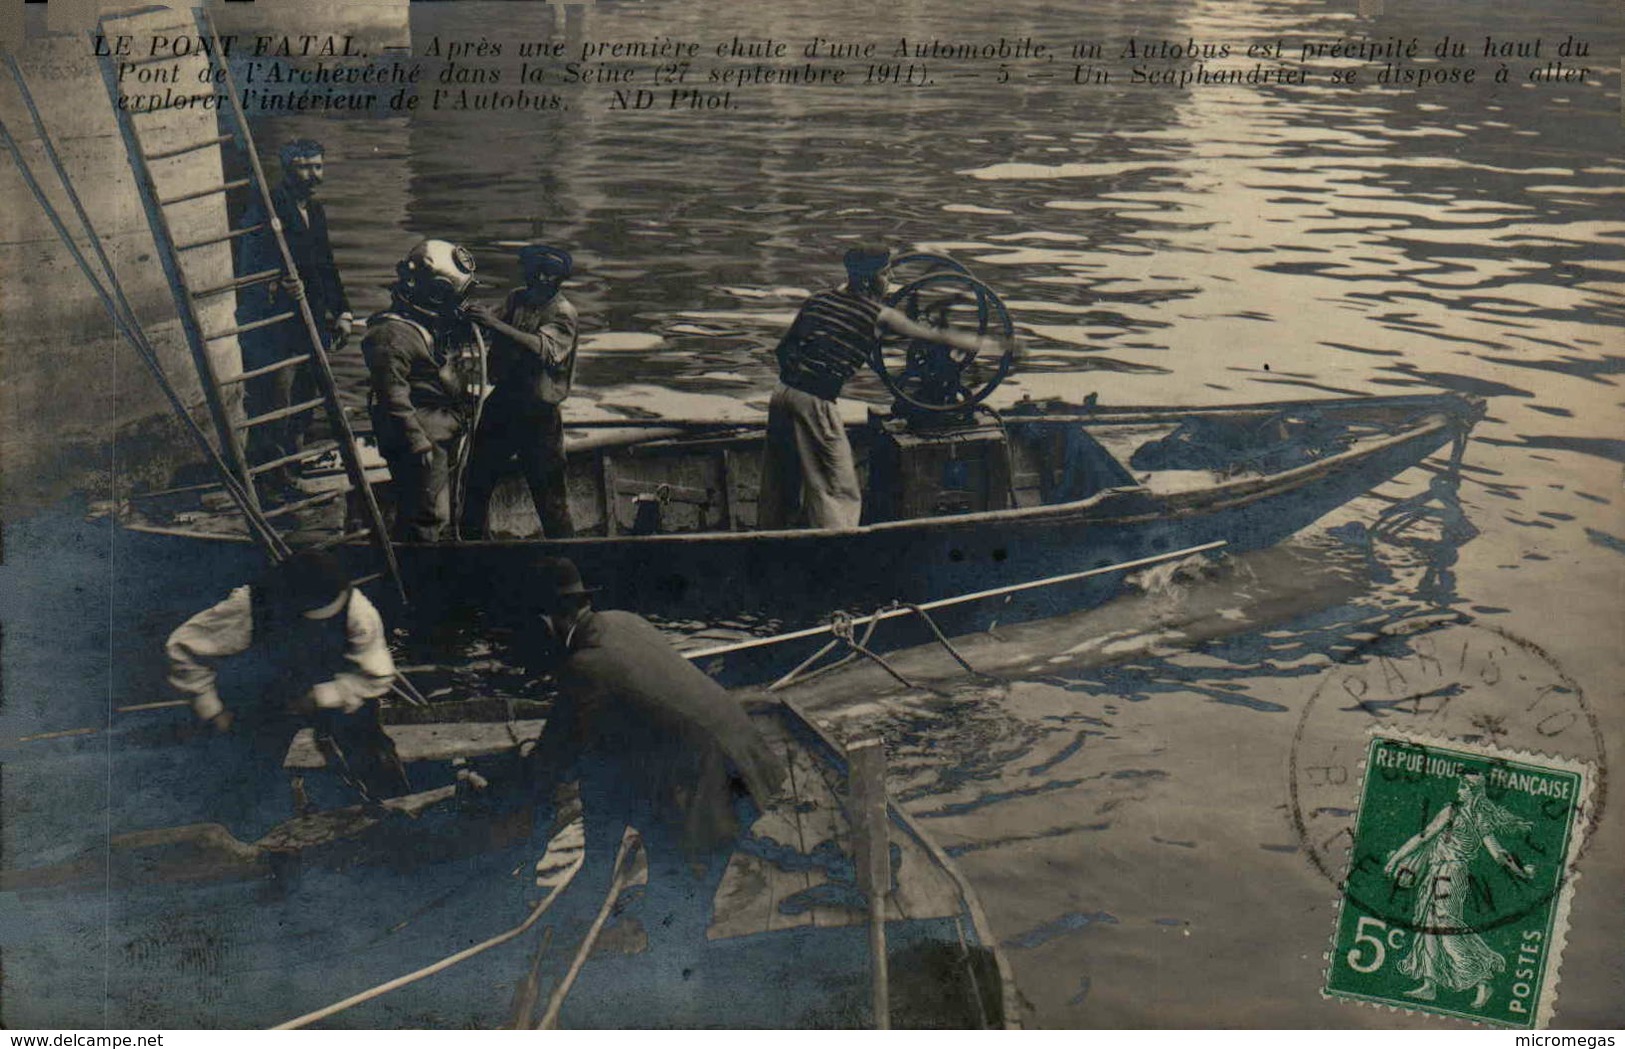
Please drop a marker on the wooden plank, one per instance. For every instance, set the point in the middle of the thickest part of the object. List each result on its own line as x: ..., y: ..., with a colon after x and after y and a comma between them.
x: 924, y: 889
x: 784, y: 825
x: 743, y: 901
x: 725, y: 486
x: 753, y: 888
x: 867, y: 777
x: 441, y: 742
x: 823, y: 821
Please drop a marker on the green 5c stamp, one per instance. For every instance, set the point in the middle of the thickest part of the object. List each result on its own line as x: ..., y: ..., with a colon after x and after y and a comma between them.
x: 1457, y: 893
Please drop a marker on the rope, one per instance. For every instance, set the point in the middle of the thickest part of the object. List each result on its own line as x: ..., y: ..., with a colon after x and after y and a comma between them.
x: 800, y: 673
x: 429, y: 970
x: 841, y: 627
x: 943, y: 640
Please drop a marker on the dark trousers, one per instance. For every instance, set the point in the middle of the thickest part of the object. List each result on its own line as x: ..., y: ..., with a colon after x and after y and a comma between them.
x: 422, y: 494
x: 250, y: 785
x: 361, y: 752
x: 531, y: 432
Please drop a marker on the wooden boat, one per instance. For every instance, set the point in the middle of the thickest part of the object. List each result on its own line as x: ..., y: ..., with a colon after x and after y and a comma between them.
x: 208, y: 930
x: 666, y: 510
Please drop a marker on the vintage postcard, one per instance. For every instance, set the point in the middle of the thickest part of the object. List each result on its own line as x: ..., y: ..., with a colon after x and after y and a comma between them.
x: 525, y: 514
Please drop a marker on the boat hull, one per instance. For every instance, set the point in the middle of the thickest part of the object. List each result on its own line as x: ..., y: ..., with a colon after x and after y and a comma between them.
x: 765, y: 581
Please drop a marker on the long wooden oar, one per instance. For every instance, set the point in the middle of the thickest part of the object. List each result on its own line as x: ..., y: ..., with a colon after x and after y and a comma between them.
x: 631, y: 869
x: 556, y: 869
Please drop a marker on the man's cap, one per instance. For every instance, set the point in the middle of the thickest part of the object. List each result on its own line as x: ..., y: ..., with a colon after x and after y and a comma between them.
x: 560, y: 577
x: 867, y: 258
x: 311, y: 581
x: 548, y: 261
x: 300, y: 147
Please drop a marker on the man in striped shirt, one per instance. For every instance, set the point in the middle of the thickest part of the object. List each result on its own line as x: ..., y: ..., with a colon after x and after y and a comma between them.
x: 808, y: 460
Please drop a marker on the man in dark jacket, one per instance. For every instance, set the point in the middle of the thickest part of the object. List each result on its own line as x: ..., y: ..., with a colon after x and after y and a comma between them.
x: 655, y: 744
x: 304, y: 227
x: 416, y: 393
x: 532, y: 364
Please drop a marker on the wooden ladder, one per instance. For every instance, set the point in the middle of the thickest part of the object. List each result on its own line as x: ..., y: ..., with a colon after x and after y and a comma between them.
x: 191, y: 288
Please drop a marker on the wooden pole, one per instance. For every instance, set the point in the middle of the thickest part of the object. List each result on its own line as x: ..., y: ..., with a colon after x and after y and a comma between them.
x: 631, y: 868
x: 945, y: 602
x: 866, y: 780
x: 556, y: 870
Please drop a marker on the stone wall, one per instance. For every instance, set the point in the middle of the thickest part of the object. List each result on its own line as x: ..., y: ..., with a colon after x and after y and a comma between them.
x: 68, y: 382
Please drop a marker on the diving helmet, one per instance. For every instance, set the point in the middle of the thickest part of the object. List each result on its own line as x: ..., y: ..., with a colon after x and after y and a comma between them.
x: 436, y: 276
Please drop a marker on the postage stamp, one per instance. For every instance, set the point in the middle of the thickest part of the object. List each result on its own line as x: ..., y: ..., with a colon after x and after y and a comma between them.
x: 1459, y: 878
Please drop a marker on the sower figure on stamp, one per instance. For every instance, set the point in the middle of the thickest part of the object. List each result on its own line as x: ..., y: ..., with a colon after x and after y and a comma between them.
x: 304, y: 227
x: 416, y: 392
x: 808, y: 459
x: 532, y: 364
x: 655, y: 744
x: 1437, y: 861
x: 314, y: 650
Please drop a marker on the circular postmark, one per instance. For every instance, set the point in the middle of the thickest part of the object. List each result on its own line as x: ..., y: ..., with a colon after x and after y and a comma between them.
x: 1451, y: 680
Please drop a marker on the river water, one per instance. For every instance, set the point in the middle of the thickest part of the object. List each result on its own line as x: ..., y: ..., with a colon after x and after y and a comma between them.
x: 1126, y: 818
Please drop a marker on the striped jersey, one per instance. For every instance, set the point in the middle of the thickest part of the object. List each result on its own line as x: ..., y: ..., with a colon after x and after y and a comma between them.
x: 831, y: 338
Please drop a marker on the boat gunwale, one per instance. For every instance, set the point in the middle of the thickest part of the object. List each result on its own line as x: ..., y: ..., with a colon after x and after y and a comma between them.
x: 1223, y: 495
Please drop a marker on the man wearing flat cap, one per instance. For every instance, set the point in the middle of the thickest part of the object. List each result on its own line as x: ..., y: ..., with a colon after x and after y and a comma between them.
x: 315, y: 653
x: 807, y: 463
x: 653, y: 741
x: 532, y: 364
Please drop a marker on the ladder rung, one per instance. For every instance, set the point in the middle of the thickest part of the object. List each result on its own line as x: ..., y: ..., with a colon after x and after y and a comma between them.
x: 361, y: 581
x: 253, y: 326
x: 305, y: 504
x: 304, y: 453
x: 165, y: 154
x: 340, y: 540
x: 222, y: 238
x: 255, y: 373
x: 280, y: 413
x: 262, y: 277
x: 196, y: 194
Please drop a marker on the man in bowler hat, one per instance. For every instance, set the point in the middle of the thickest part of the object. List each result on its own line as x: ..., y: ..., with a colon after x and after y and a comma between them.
x: 654, y: 744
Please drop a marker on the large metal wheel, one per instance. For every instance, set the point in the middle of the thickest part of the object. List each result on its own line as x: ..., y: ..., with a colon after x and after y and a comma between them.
x: 931, y: 377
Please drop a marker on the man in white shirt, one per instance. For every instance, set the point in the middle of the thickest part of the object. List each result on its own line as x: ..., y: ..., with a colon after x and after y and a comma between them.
x: 319, y: 654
